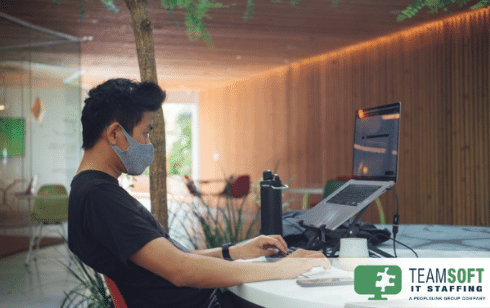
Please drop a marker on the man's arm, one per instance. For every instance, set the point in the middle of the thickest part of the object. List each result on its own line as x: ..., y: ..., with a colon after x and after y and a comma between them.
x: 253, y: 248
x: 187, y: 269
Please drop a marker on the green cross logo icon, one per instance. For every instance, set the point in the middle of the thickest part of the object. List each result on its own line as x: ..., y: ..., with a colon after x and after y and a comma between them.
x: 377, y: 280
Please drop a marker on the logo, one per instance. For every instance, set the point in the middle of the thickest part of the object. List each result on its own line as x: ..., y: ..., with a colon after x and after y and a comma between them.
x: 377, y: 280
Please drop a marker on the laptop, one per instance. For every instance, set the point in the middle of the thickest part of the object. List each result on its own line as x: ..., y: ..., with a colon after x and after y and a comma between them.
x: 375, y: 166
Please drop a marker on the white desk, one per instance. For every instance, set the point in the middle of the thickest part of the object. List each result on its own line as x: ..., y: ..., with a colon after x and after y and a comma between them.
x: 287, y: 294
x: 429, y: 241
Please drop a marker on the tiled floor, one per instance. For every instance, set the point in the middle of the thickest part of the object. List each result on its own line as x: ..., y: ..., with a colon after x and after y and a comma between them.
x: 44, y: 281
x: 41, y: 284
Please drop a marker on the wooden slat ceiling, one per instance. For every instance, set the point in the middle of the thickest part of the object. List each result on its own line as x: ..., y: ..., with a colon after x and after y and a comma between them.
x: 277, y: 35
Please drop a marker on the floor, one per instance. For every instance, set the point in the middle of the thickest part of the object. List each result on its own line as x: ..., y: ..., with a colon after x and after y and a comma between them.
x: 41, y: 284
x: 44, y: 281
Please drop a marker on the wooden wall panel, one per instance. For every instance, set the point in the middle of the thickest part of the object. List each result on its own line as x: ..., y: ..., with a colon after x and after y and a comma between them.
x: 302, y: 116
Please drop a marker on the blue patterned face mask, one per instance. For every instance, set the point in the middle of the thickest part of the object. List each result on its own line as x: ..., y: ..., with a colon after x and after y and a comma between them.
x: 137, y: 157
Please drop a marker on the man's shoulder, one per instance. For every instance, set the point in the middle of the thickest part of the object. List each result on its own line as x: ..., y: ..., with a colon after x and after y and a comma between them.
x: 94, y: 175
x: 91, y: 179
x: 93, y: 185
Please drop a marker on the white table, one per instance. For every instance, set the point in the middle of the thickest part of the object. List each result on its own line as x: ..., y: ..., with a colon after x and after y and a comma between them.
x: 287, y: 294
x: 429, y: 241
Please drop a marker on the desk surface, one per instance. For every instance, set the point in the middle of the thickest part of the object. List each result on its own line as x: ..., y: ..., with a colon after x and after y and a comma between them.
x: 429, y: 241
x: 446, y: 240
x: 287, y: 294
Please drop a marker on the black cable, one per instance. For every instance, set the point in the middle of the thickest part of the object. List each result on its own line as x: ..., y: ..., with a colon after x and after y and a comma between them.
x: 390, y: 238
x: 396, y: 221
x: 378, y: 235
x: 416, y: 255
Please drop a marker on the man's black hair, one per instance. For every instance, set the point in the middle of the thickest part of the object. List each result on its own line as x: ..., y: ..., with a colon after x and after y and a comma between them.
x: 117, y: 100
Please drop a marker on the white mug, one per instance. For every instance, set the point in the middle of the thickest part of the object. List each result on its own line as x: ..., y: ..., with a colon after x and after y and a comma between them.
x: 353, y: 252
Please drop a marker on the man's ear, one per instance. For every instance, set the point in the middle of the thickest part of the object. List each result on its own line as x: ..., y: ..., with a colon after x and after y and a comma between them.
x: 112, y: 132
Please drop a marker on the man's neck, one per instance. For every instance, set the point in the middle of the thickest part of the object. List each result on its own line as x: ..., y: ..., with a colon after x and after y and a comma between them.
x: 94, y: 159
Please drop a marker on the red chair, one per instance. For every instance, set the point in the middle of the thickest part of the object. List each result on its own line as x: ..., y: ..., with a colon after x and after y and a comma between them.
x: 191, y: 186
x: 115, y: 293
x: 236, y: 186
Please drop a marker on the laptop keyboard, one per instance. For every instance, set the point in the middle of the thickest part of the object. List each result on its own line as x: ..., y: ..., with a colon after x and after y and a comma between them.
x: 278, y: 256
x: 354, y: 194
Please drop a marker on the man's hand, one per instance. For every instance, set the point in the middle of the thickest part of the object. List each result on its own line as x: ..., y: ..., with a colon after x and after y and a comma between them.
x: 290, y: 267
x: 263, y: 245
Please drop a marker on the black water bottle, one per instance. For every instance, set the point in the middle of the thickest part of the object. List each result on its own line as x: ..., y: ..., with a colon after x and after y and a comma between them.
x: 271, y: 204
x: 265, y: 197
x: 276, y: 201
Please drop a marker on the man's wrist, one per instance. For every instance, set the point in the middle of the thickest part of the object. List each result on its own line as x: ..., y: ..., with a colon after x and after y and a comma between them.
x: 225, y: 250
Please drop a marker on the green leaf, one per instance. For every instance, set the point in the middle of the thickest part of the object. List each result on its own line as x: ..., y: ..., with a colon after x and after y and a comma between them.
x: 250, y: 10
x: 434, y: 6
x: 90, y: 291
x: 110, y: 6
x: 482, y: 3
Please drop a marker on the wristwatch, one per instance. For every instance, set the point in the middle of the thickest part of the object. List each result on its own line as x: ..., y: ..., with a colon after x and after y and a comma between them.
x: 225, y: 249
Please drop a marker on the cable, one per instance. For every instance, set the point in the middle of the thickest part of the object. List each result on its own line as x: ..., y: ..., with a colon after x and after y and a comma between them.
x: 396, y: 221
x: 416, y: 255
x: 390, y: 238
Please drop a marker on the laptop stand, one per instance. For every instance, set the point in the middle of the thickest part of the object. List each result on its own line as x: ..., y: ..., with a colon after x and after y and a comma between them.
x: 319, y: 242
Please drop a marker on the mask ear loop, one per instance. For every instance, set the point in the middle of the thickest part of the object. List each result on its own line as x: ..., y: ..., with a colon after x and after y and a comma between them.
x: 123, y: 130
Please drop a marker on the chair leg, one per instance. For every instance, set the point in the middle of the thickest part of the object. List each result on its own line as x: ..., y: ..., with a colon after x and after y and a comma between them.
x: 65, y: 239
x: 63, y: 232
x: 31, y: 244
x: 39, y: 237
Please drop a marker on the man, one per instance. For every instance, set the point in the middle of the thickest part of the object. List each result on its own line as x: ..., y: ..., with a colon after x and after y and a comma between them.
x: 113, y: 233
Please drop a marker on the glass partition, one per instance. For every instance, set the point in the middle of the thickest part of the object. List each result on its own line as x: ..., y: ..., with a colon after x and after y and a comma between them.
x: 40, y: 108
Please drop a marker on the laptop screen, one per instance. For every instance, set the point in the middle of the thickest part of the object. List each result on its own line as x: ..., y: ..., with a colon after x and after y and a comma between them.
x: 376, y: 143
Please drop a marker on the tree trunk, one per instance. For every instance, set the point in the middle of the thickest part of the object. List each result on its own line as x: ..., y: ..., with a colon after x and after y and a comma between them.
x: 142, y: 30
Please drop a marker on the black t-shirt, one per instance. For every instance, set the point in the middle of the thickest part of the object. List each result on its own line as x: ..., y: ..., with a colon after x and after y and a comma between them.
x: 106, y: 226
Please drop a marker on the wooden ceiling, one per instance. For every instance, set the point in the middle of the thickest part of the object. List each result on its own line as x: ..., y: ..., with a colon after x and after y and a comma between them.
x: 277, y: 35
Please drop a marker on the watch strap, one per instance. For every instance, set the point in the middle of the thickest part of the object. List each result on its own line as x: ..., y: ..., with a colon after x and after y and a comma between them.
x: 225, y: 249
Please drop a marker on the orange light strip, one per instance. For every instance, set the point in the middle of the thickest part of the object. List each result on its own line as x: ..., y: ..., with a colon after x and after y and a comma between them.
x: 407, y: 34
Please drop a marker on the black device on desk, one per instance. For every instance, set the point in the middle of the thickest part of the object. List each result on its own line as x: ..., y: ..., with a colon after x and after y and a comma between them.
x: 271, y: 189
x: 374, y: 171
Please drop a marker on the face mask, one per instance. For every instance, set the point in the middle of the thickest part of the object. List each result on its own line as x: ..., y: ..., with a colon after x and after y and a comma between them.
x: 137, y: 157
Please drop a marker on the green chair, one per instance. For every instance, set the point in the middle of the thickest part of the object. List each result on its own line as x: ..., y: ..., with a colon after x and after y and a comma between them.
x: 333, y: 185
x: 50, y: 208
